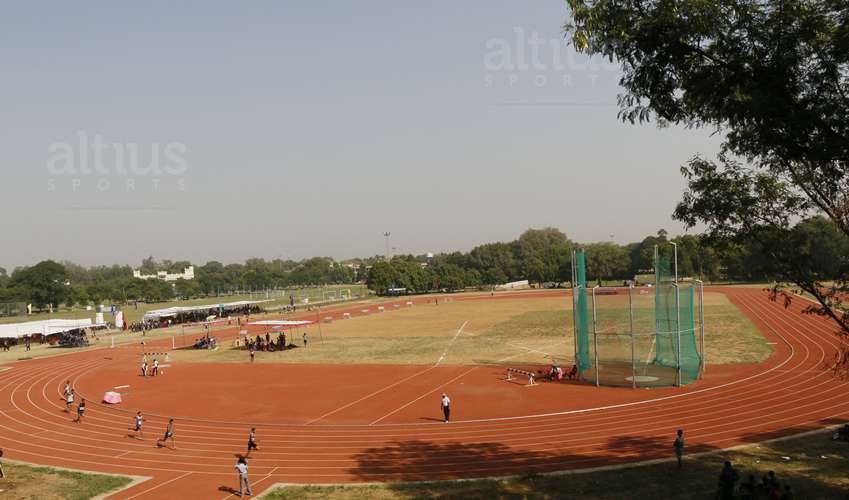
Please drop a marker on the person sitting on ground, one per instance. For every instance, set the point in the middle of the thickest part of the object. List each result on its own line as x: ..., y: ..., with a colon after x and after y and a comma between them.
x: 573, y: 372
x: 749, y: 488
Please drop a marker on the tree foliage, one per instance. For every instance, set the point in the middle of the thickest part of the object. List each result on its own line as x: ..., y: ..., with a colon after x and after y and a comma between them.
x: 772, y: 77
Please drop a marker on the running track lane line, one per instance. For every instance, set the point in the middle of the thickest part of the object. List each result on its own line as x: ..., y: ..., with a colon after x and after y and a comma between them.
x: 448, y: 347
x: 470, y: 370
x: 375, y: 393
x: 159, y: 485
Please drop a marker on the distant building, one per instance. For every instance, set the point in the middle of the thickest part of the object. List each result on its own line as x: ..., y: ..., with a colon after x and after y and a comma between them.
x: 187, y: 274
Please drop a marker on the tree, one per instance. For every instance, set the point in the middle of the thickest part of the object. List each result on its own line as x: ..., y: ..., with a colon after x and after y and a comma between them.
x: 381, y: 277
x: 45, y: 282
x: 772, y: 77
x: 606, y: 260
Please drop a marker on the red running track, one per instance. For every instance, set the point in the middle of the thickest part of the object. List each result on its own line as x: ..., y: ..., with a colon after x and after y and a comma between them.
x: 383, y: 429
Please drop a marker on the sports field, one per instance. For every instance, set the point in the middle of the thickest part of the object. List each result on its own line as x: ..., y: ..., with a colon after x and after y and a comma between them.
x: 469, y: 330
x: 367, y: 420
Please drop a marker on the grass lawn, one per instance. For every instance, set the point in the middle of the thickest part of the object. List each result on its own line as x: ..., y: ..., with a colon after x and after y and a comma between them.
x: 817, y: 469
x: 44, y: 483
x: 523, y: 330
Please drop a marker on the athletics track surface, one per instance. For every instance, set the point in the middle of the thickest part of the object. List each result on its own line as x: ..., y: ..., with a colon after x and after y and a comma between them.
x: 378, y: 423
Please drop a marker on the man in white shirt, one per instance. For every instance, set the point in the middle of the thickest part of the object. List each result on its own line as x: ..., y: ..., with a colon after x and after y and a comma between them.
x: 244, y: 484
x: 446, y: 407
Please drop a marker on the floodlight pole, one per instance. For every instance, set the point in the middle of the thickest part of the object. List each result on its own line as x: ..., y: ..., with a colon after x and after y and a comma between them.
x: 678, y: 330
x: 595, y: 339
x: 701, y: 327
x: 675, y: 258
x: 631, y: 326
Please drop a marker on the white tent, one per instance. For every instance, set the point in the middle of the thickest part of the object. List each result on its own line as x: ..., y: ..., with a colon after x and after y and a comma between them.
x: 45, y: 327
x: 173, y: 311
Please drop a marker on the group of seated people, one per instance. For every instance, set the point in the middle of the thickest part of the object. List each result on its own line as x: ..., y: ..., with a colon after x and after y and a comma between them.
x: 267, y: 344
x: 556, y: 373
x: 205, y: 342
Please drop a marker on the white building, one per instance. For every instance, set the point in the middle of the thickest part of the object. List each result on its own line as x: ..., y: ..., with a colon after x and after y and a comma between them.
x: 187, y: 274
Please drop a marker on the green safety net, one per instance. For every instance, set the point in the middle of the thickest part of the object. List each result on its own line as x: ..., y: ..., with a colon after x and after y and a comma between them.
x: 582, y: 320
x: 644, y: 347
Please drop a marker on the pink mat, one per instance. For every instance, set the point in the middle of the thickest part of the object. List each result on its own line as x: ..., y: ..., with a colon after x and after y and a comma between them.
x: 112, y: 397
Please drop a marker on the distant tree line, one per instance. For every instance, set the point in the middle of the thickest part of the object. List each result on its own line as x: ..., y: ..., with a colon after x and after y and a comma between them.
x: 538, y: 255
x: 49, y: 284
x: 545, y: 256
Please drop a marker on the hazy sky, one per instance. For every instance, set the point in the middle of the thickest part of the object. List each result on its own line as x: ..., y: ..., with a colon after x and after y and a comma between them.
x: 202, y: 130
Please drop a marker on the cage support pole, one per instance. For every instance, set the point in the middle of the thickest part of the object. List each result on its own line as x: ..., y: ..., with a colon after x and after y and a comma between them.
x: 595, y: 338
x: 575, y: 311
x: 678, y: 330
x: 701, y: 328
x: 631, y: 327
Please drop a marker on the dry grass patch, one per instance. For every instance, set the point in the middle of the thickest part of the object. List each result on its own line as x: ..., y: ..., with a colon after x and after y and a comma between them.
x: 44, y: 483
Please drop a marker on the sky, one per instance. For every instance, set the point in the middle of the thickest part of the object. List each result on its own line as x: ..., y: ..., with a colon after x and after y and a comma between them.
x: 227, y: 130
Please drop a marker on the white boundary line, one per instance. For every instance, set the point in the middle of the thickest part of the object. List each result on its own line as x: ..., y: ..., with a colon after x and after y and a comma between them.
x: 448, y: 347
x: 160, y: 485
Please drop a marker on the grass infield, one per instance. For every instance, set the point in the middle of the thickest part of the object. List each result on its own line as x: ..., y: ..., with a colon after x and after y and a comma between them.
x: 520, y: 330
x: 44, y: 483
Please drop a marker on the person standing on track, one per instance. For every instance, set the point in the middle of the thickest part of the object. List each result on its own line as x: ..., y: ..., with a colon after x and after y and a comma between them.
x: 679, y: 448
x: 155, y: 367
x: 253, y: 353
x: 252, y: 441
x: 244, y: 484
x: 139, y: 422
x: 445, y: 403
x: 169, y: 434
x: 144, y: 367
x: 80, y: 411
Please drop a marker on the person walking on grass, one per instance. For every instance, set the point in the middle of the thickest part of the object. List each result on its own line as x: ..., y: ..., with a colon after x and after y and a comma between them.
x: 80, y: 411
x: 138, y: 420
x: 305, y: 339
x: 244, y: 483
x: 679, y: 447
x: 169, y: 434
x: 252, y: 441
x: 445, y: 404
x: 253, y: 353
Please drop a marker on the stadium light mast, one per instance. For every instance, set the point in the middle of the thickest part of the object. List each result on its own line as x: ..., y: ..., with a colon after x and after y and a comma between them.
x: 386, y: 235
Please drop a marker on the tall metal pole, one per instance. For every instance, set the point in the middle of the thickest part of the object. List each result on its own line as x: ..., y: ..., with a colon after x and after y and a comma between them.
x: 678, y: 329
x: 675, y: 258
x: 575, y: 292
x: 631, y: 326
x: 595, y: 339
x: 386, y: 235
x: 701, y: 328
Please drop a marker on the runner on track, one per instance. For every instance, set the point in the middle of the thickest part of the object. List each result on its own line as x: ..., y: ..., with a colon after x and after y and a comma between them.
x: 169, y: 434
x: 69, y: 400
x: 138, y: 420
x: 252, y: 441
x: 80, y: 411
